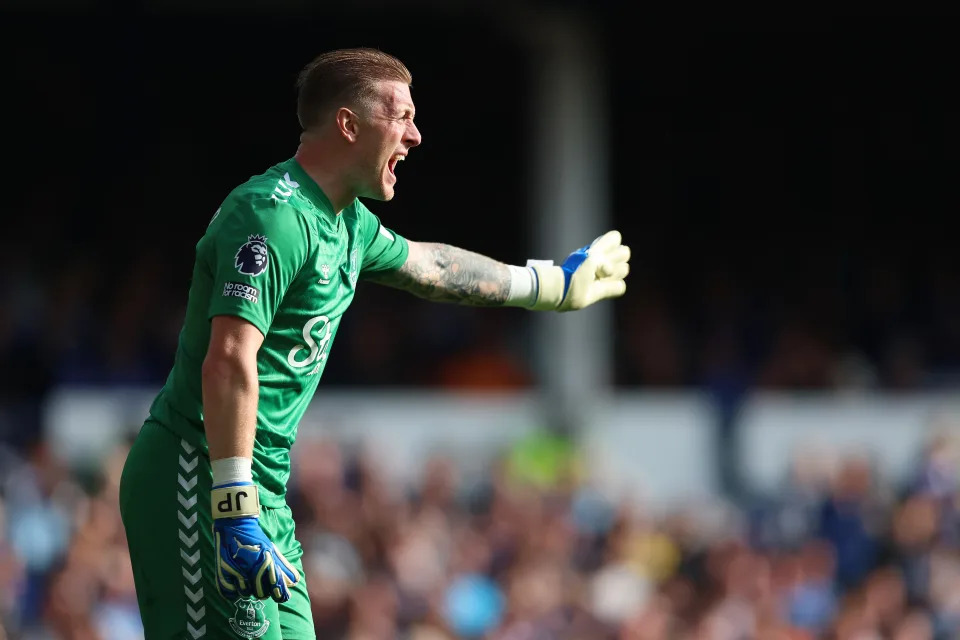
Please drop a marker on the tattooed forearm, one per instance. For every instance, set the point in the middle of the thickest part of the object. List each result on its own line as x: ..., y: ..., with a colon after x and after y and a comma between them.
x: 442, y: 273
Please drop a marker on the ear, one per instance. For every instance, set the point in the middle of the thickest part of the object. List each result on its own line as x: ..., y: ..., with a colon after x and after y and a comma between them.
x: 348, y: 123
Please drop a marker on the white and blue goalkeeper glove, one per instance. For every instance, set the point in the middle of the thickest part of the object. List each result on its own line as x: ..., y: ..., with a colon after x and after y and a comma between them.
x: 591, y: 273
x: 248, y: 563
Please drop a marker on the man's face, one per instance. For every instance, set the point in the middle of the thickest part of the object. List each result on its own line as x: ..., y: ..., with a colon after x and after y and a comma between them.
x: 387, y: 135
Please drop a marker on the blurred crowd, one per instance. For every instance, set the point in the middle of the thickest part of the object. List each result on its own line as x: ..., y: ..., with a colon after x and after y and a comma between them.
x: 532, y: 549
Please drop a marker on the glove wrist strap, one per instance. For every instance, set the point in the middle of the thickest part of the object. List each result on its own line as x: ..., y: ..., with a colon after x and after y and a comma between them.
x: 235, y: 501
x: 523, y: 287
x: 551, y: 287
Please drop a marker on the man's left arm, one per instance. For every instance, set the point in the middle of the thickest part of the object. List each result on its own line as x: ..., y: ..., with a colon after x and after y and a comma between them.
x: 444, y: 273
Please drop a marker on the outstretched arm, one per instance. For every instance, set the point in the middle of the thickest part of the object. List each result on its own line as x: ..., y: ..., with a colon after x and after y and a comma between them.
x: 443, y: 273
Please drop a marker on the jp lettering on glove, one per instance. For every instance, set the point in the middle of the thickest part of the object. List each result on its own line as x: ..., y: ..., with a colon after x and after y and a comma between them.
x: 248, y: 563
x: 589, y: 274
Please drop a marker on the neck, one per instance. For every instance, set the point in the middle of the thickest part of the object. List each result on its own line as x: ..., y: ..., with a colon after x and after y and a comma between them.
x: 318, y: 160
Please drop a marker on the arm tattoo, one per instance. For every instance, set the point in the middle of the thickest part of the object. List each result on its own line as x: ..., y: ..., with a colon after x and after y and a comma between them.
x: 442, y: 273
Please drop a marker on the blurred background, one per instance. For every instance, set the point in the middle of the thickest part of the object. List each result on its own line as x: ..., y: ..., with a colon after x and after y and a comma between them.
x: 759, y: 440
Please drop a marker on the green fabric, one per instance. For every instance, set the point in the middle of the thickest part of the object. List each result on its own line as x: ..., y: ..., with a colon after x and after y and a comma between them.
x: 277, y: 255
x: 165, y: 506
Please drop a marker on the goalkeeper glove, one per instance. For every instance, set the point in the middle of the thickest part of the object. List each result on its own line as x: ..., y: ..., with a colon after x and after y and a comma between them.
x: 248, y: 563
x: 591, y: 273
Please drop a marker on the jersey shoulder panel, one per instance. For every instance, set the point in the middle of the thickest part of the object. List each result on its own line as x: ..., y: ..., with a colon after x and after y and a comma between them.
x: 251, y: 224
x: 273, y: 185
x: 264, y: 204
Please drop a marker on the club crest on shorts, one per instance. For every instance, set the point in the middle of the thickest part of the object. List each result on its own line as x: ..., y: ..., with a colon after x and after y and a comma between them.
x: 248, y: 621
x: 251, y: 258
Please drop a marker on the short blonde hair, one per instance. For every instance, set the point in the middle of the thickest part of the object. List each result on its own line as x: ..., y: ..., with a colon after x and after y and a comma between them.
x: 344, y: 77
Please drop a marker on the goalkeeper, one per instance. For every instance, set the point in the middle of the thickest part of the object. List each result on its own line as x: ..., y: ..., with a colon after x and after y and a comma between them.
x: 203, y: 489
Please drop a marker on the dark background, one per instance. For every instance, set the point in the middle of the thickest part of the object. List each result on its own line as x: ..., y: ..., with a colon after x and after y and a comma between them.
x: 785, y: 182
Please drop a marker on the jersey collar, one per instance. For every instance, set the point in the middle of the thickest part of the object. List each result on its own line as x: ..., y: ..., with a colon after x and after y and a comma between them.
x: 308, y: 187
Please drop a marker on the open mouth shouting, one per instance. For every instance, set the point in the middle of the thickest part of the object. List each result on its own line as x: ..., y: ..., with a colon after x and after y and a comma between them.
x: 392, y: 165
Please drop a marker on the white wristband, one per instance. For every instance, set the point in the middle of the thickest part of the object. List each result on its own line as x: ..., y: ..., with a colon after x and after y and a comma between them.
x: 231, y: 470
x: 523, y: 287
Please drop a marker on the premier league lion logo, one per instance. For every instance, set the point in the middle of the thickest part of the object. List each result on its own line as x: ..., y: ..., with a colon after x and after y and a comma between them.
x: 251, y: 258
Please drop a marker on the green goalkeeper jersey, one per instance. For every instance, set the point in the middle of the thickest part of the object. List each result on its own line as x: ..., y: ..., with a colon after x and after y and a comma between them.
x: 277, y: 255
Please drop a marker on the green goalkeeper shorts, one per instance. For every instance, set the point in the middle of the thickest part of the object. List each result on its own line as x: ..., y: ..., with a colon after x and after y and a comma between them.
x: 165, y: 504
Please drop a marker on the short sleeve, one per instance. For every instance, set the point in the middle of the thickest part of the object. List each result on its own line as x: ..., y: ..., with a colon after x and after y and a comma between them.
x: 254, y: 253
x: 384, y: 250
